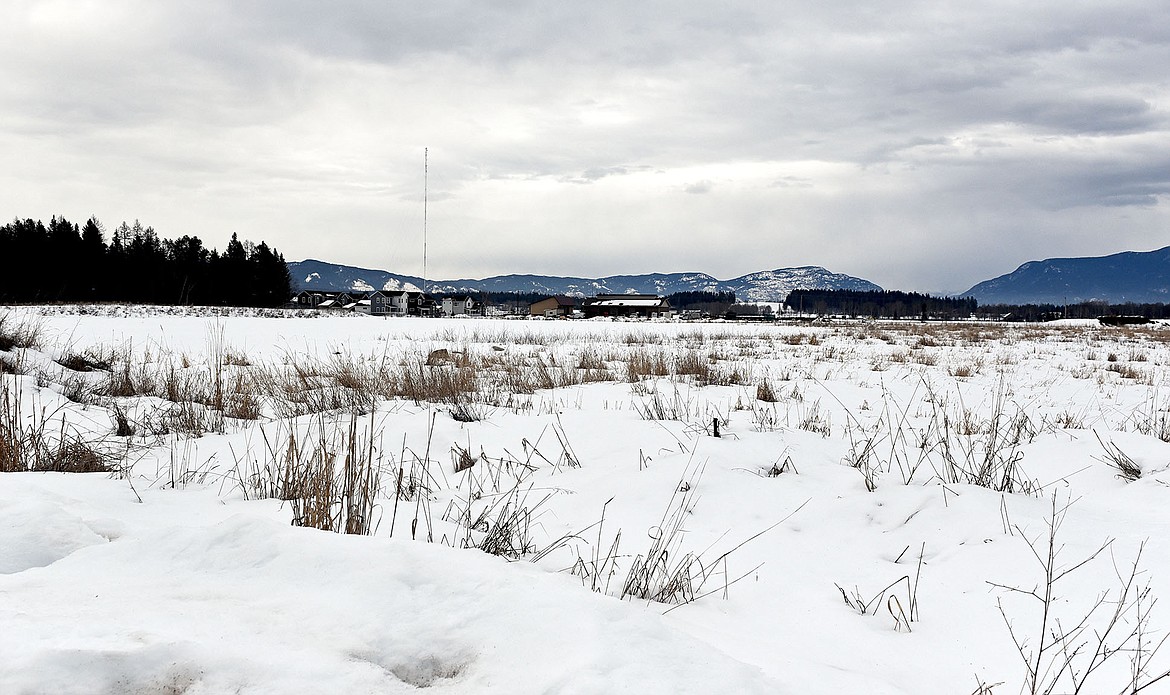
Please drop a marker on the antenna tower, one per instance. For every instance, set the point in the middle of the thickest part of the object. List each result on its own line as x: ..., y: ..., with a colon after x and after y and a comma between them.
x: 424, y: 288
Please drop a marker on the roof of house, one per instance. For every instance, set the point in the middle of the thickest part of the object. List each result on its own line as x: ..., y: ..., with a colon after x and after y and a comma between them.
x: 631, y: 301
x: 560, y: 301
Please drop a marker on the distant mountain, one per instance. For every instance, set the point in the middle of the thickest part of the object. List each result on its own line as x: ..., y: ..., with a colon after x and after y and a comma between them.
x: 774, y: 285
x: 1131, y: 276
x: 764, y: 286
x: 318, y: 275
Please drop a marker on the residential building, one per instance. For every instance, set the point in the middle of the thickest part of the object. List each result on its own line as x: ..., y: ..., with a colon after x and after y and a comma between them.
x: 460, y: 305
x: 553, y: 307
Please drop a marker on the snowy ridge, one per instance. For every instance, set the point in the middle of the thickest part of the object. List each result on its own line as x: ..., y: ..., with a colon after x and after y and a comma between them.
x: 763, y: 286
x: 774, y: 285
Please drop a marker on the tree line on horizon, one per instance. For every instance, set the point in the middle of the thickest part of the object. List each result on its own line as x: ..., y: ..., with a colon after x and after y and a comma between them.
x: 1078, y: 310
x: 66, y: 262
x: 909, y: 305
x: 880, y: 303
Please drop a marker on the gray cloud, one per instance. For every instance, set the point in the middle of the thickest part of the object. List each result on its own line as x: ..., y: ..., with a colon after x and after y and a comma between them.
x: 925, y: 147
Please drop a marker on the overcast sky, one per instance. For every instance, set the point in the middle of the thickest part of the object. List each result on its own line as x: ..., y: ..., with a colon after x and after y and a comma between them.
x: 923, y: 146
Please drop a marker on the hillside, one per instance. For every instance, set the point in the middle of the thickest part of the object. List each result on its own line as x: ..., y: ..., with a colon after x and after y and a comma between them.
x: 1130, y: 276
x: 763, y: 286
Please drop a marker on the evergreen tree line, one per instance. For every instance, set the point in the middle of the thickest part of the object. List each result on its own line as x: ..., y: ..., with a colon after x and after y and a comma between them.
x: 880, y: 304
x: 64, y: 262
x: 1080, y: 310
x: 701, y: 299
x: 894, y: 304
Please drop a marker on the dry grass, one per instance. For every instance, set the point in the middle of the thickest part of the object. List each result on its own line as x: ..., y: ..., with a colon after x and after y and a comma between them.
x: 1127, y: 468
x: 33, y: 442
x: 84, y: 362
x: 665, y: 574
x: 964, y: 371
x: 1126, y: 371
x: 19, y: 333
x: 644, y: 363
x: 662, y: 574
x: 890, y: 598
x: 331, y: 478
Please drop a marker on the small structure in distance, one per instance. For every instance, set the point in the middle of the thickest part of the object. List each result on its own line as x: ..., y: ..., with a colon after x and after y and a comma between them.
x: 553, y: 307
x: 647, y: 306
x: 461, y: 305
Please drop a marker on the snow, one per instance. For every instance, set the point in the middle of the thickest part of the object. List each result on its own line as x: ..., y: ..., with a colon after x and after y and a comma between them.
x: 132, y: 583
x: 394, y: 285
x: 221, y: 597
x: 651, y: 302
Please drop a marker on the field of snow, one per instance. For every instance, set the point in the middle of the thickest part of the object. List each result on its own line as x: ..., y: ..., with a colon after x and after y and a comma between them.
x: 579, y: 507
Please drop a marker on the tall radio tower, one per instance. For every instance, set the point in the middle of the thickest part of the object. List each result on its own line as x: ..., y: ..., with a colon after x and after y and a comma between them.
x: 424, y: 288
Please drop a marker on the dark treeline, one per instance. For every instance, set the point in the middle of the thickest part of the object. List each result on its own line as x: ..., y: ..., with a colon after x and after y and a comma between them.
x: 498, y: 298
x: 912, y: 305
x: 683, y: 300
x: 1081, y: 310
x: 712, y: 303
x: 62, y: 262
x: 884, y: 304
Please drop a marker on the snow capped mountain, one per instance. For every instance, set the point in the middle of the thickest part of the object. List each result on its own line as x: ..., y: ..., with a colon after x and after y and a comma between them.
x: 1131, y: 276
x: 319, y: 275
x: 764, y: 286
x: 774, y: 285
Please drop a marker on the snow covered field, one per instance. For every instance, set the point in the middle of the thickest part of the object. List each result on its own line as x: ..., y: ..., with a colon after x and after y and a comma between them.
x: 545, y: 508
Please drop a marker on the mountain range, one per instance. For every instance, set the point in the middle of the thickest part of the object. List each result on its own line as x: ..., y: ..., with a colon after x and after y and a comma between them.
x: 764, y: 286
x: 1130, y: 276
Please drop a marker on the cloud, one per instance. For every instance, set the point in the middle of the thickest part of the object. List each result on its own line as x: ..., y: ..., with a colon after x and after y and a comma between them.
x: 1094, y: 115
x: 920, y: 147
x: 595, y: 174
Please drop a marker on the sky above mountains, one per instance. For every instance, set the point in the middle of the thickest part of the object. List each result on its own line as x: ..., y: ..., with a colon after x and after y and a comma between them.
x: 923, y: 146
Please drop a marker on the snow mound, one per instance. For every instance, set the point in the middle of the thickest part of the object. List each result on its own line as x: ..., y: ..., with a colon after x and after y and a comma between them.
x: 38, y: 533
x: 252, y: 605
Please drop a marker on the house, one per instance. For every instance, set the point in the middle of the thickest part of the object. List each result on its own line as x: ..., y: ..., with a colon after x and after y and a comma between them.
x: 375, y: 303
x: 407, y: 303
x: 553, y: 307
x: 460, y: 305
x: 339, y: 301
x: 627, y: 306
x: 311, y: 299
x: 319, y: 299
x: 379, y: 303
